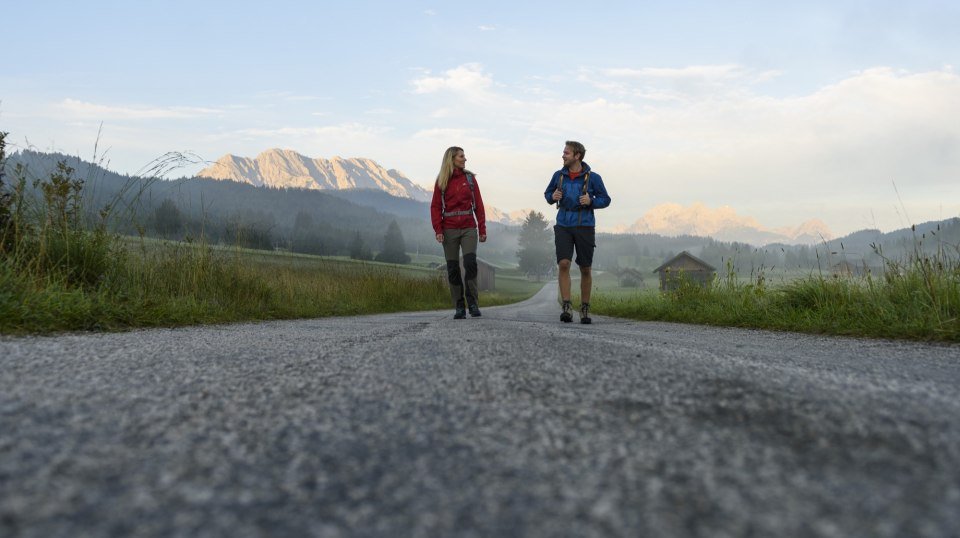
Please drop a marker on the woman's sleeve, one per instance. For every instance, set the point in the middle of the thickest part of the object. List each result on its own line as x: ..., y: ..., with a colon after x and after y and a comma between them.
x: 479, y: 211
x: 436, y: 209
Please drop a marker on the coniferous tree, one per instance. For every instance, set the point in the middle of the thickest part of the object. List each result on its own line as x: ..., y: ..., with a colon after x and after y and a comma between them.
x: 535, y: 245
x: 168, y: 219
x: 394, y: 248
x: 306, y: 237
x: 5, y: 198
x: 358, y: 250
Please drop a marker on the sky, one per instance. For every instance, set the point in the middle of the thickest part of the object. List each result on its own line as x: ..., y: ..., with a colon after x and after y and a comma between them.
x: 842, y: 111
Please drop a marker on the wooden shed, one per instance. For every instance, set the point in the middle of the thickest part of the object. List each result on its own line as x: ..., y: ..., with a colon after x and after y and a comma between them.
x: 629, y: 277
x: 845, y: 268
x: 684, y: 266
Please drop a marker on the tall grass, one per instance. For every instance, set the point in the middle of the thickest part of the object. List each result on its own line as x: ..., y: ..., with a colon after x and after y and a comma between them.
x: 917, y: 298
x: 61, y: 269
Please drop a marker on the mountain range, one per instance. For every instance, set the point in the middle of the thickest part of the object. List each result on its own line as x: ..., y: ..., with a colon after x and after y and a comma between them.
x: 723, y: 224
x: 281, y: 168
x: 356, y: 178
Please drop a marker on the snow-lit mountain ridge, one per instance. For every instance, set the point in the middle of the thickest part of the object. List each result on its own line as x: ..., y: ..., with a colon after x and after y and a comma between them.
x: 281, y: 168
x: 723, y: 224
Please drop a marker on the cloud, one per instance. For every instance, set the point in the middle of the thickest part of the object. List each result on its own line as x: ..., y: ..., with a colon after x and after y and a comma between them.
x: 466, y: 80
x: 656, y: 134
x: 676, y: 84
x: 708, y: 133
x: 286, y: 95
x: 695, y: 72
x: 85, y: 110
x: 343, y: 131
x: 485, y: 28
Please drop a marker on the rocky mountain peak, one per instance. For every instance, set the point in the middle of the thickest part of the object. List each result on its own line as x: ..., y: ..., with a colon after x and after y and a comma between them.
x: 285, y: 168
x: 724, y: 224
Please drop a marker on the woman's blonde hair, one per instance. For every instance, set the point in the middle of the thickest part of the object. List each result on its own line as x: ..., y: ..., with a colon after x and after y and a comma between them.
x: 446, y: 167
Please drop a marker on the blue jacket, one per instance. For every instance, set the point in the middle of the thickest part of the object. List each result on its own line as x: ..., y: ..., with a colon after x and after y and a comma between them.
x: 570, y: 212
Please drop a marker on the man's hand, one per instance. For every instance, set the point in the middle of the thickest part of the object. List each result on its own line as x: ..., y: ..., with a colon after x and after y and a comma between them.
x: 585, y: 200
x: 439, y: 238
x: 557, y: 195
x: 483, y: 238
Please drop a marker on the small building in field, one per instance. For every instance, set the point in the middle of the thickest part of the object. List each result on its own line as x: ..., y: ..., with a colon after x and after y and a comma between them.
x: 849, y: 269
x: 684, y: 266
x: 844, y: 268
x: 486, y: 274
x: 629, y: 277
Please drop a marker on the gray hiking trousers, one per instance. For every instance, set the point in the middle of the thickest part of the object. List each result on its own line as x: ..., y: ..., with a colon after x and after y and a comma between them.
x: 455, y: 241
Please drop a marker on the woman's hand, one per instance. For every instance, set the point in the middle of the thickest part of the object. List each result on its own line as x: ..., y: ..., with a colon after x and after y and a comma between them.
x: 439, y: 238
x: 483, y: 238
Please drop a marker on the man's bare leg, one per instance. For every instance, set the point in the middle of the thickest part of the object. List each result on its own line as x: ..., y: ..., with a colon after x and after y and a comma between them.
x: 586, y: 283
x: 564, y: 277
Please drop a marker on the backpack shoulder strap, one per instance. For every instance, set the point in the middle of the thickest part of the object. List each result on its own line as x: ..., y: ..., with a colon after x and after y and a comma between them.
x: 473, y: 197
x: 586, y: 181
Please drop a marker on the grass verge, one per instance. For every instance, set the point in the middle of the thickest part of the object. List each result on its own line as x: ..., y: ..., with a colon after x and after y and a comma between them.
x: 181, y: 284
x: 915, y: 300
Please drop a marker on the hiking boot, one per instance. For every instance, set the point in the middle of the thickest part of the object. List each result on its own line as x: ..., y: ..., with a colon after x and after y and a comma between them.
x: 585, y: 313
x: 474, y: 310
x: 566, y: 316
x: 460, y: 313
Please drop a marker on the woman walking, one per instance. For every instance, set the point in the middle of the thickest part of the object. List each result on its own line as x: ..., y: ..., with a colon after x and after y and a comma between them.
x: 458, y: 220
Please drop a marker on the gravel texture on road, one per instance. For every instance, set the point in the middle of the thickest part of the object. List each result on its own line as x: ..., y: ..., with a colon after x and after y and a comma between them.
x: 511, y: 424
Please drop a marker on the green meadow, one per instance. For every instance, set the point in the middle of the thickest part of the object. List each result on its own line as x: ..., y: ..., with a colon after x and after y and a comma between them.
x: 915, y: 299
x: 141, y: 282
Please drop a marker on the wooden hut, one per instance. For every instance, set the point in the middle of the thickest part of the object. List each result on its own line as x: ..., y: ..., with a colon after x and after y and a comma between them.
x: 629, y: 277
x: 684, y: 266
x: 846, y: 269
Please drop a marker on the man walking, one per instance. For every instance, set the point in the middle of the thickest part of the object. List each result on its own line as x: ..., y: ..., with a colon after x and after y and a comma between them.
x: 577, y: 191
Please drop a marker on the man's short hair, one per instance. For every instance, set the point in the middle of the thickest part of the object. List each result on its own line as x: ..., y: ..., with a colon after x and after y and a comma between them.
x: 577, y: 147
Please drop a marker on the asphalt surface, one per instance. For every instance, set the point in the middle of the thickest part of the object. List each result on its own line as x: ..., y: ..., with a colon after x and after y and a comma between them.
x: 512, y: 424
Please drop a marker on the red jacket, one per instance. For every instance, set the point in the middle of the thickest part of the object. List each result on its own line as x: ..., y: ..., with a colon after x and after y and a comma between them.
x: 457, y: 197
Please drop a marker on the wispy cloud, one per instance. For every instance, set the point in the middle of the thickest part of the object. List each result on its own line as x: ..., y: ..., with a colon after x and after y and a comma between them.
x: 700, y: 72
x: 661, y: 140
x: 84, y: 110
x: 290, y: 96
x: 486, y: 28
x: 675, y: 84
x: 466, y: 79
x: 350, y: 130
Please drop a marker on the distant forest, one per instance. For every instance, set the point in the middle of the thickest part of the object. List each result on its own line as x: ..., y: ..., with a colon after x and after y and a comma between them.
x: 333, y: 222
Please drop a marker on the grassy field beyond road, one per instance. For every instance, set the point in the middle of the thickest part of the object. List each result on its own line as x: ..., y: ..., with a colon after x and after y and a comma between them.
x: 152, y: 283
x: 919, y: 300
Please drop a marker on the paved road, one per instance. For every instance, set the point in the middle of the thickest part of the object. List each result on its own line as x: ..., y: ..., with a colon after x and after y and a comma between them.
x: 508, y: 425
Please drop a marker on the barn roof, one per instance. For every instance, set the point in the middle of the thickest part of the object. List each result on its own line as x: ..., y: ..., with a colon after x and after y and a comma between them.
x: 685, y: 254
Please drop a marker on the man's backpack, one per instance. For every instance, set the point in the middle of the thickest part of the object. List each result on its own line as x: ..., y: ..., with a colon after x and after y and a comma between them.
x: 586, y: 181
